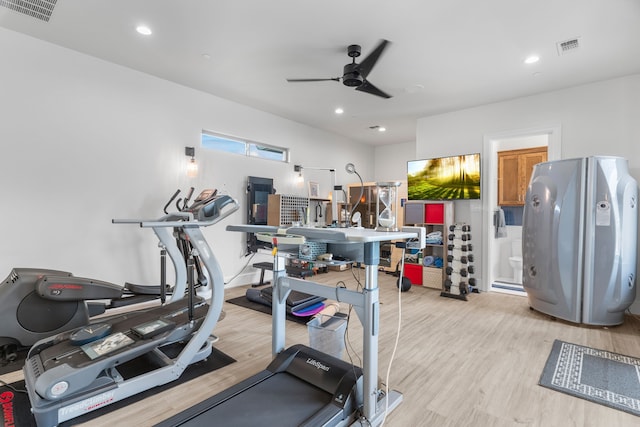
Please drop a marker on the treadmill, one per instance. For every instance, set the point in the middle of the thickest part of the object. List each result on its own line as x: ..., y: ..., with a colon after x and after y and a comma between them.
x: 76, y: 372
x: 303, y: 386
x: 316, y: 390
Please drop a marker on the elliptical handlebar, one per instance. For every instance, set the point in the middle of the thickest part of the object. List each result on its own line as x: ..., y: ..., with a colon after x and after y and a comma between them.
x: 206, y: 212
x: 182, y: 204
x: 215, y: 210
x: 186, y: 199
x: 171, y: 200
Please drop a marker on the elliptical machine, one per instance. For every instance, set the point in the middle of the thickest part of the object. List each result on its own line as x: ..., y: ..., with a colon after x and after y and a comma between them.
x: 79, y: 371
x: 37, y: 303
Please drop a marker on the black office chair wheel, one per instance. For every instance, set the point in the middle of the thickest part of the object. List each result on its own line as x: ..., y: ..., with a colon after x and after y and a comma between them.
x: 404, y: 284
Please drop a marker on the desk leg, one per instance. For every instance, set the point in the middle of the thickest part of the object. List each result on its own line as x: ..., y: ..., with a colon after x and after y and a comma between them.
x: 278, y: 306
x: 370, y: 341
x: 373, y: 409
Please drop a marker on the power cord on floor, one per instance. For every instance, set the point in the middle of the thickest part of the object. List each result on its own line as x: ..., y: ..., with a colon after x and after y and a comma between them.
x: 242, y: 269
x: 12, y: 388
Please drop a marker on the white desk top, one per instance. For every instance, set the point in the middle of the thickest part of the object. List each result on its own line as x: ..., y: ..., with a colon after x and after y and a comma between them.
x: 334, y: 235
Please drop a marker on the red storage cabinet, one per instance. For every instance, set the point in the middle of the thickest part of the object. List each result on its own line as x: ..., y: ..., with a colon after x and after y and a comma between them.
x: 434, y: 213
x: 413, y: 272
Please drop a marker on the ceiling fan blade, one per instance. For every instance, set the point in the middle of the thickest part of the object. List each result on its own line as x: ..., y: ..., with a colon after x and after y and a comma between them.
x: 367, y: 63
x: 369, y: 88
x: 335, y: 79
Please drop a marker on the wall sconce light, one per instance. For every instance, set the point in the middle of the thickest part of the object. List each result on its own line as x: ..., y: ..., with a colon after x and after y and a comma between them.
x: 192, y: 166
x: 298, y: 168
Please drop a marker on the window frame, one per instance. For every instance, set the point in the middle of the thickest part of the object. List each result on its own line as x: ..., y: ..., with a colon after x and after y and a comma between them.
x: 253, y: 149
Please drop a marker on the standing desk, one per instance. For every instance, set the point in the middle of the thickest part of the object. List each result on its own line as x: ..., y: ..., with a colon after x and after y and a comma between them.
x: 365, y: 302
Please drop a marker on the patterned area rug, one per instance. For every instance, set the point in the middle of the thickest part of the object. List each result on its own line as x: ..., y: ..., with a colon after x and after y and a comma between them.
x: 599, y: 376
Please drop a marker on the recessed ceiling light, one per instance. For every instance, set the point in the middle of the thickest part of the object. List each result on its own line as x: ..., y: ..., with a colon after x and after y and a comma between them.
x: 382, y: 129
x: 144, y: 30
x: 338, y: 110
x: 206, y: 56
x: 532, y: 59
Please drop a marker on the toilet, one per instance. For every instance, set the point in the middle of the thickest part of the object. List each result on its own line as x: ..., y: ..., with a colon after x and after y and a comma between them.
x: 515, y: 260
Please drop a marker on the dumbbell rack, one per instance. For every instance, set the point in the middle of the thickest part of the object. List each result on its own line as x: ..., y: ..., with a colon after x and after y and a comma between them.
x: 459, y: 282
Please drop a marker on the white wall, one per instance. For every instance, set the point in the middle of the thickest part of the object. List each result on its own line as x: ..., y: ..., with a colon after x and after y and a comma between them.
x: 391, y: 164
x: 596, y: 119
x: 84, y: 141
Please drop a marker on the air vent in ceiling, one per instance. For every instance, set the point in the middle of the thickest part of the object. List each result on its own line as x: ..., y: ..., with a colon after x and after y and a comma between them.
x: 39, y: 9
x: 568, y: 46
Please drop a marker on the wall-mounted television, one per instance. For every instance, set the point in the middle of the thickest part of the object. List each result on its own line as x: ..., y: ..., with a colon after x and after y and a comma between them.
x: 444, y: 178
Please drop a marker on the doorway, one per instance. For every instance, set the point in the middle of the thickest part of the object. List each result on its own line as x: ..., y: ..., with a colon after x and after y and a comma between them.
x: 498, y: 247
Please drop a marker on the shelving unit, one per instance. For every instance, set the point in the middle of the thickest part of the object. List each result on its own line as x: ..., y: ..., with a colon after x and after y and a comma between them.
x: 427, y: 267
x: 284, y: 209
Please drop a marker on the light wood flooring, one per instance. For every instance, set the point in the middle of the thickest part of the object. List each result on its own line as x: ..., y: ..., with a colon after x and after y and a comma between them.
x: 458, y: 363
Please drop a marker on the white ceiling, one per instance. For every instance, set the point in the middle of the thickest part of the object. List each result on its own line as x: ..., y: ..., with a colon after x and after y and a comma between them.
x: 444, y: 56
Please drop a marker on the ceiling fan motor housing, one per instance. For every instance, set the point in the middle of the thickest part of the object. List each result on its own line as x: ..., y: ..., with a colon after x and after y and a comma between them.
x: 351, y: 76
x: 354, y: 50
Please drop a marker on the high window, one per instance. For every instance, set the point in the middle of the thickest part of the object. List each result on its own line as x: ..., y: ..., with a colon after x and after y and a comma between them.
x: 215, y: 141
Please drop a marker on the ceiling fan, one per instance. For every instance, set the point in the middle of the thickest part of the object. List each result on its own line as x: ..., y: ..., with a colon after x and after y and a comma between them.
x: 355, y: 75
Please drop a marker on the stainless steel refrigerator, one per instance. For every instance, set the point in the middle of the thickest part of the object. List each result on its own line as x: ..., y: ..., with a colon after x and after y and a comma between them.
x: 579, y: 239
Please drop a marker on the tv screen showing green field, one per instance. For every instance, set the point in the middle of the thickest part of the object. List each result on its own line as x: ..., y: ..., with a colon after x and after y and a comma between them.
x: 444, y: 178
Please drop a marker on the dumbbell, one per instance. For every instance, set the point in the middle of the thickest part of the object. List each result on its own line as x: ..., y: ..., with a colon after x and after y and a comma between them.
x: 471, y: 269
x: 463, y: 288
